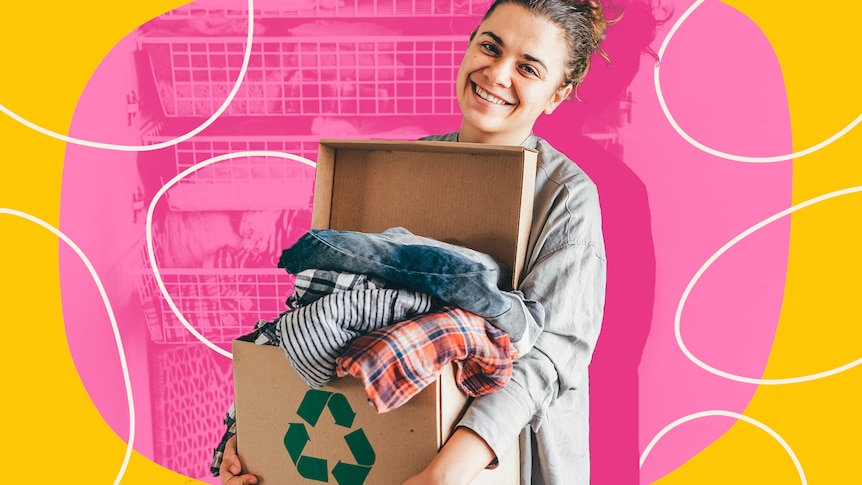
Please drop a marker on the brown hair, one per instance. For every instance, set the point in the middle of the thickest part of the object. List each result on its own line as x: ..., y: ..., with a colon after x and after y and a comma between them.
x: 583, y: 24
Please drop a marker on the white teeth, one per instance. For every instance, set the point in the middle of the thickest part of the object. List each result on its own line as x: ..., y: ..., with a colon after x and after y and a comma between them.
x: 488, y: 96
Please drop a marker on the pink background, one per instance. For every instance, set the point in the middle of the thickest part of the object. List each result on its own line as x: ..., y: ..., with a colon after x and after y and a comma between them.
x: 666, y: 205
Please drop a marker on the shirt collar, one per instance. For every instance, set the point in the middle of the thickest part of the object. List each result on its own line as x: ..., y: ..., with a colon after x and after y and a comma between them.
x: 531, y: 142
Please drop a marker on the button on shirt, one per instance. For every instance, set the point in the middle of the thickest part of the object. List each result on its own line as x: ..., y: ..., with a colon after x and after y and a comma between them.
x: 545, y: 406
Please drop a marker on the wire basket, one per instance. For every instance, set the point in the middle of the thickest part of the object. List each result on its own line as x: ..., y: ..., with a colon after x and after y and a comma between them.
x: 244, y: 183
x: 335, y: 8
x: 315, y: 75
x: 221, y: 304
x: 192, y: 389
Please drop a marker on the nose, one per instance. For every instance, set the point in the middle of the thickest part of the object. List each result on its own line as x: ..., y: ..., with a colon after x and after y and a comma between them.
x: 499, y: 73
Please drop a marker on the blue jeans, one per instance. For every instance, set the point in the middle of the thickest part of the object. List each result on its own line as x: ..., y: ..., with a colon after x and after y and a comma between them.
x: 452, y: 277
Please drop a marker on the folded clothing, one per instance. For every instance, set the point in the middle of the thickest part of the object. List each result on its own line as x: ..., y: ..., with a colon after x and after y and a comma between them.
x: 312, y: 284
x: 394, y: 363
x: 314, y: 335
x: 448, y: 274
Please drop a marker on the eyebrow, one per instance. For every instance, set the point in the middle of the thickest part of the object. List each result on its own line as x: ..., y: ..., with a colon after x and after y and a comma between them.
x: 528, y: 57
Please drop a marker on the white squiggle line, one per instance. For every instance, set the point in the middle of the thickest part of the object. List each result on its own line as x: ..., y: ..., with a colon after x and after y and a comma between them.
x: 713, y: 258
x: 712, y: 151
x: 164, y: 144
x: 729, y: 414
x: 149, y: 229
x: 126, y: 379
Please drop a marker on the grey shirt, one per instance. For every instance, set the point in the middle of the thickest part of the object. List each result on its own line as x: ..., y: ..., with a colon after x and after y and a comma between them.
x: 561, y: 296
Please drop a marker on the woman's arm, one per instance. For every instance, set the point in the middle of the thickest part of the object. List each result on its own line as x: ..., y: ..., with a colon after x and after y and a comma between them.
x: 569, y: 283
x: 463, y: 457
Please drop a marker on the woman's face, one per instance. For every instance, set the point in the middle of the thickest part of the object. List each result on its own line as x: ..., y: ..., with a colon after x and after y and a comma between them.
x: 511, y: 73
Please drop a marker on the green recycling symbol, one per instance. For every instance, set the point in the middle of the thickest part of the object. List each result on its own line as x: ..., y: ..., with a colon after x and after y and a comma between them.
x: 297, y: 437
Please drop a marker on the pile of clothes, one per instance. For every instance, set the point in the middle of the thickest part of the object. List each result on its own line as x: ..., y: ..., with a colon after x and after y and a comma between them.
x: 392, y: 310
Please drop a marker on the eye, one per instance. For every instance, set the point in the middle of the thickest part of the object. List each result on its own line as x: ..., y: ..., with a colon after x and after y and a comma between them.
x: 490, y: 48
x: 529, y: 70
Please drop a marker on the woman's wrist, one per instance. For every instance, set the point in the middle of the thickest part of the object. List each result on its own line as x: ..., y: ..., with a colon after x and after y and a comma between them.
x: 462, y: 458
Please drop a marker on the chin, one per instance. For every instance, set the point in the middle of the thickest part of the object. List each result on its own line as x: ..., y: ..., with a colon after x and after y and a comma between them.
x: 483, y: 126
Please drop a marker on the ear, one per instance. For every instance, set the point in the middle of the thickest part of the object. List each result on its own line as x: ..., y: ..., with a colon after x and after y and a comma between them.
x: 559, y: 96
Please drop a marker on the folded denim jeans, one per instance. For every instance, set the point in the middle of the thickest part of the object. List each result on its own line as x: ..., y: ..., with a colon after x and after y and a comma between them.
x: 504, y: 273
x: 449, y: 275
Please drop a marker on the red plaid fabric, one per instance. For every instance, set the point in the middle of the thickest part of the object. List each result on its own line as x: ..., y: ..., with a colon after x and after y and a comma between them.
x: 396, y: 362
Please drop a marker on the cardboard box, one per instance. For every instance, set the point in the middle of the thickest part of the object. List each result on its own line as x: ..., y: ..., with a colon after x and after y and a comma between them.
x: 474, y: 195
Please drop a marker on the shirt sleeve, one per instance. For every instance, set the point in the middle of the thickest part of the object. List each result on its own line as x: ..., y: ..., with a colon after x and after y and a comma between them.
x: 565, y: 288
x: 230, y: 431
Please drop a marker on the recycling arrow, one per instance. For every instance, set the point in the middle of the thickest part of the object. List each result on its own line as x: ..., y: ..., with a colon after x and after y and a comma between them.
x: 297, y: 437
x: 312, y: 468
x: 341, y: 410
x: 295, y: 440
x: 312, y: 405
x: 347, y: 474
x: 360, y: 447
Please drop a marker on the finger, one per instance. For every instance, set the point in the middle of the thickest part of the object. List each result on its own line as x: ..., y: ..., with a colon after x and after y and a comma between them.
x: 230, y: 461
x: 230, y: 466
x: 247, y: 479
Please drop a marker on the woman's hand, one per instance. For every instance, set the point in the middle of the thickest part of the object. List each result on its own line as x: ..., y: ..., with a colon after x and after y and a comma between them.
x: 462, y: 458
x: 230, y: 468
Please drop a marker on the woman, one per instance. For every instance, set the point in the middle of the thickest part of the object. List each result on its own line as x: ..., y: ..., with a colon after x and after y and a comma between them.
x: 524, y: 59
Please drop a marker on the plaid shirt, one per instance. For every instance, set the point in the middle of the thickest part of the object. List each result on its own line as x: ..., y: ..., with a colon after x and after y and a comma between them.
x: 312, y: 284
x: 384, y: 360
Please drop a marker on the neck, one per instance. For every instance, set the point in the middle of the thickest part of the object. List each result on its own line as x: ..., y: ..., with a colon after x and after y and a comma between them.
x: 468, y: 135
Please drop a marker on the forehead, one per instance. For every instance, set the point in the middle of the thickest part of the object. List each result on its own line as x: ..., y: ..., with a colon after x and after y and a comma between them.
x: 525, y: 33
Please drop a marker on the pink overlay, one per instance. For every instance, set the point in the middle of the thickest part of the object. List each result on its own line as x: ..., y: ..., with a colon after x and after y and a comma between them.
x: 383, y: 69
x: 724, y: 86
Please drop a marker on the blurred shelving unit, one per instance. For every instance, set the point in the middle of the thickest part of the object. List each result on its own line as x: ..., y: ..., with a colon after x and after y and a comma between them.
x: 318, y: 69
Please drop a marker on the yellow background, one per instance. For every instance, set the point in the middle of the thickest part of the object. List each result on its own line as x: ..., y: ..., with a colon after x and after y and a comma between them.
x: 817, y: 45
x: 53, y: 433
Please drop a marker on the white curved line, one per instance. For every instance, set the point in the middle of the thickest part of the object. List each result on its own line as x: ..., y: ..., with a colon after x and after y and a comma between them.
x: 729, y: 414
x: 712, y: 151
x: 149, y: 229
x: 713, y: 258
x: 117, y: 338
x: 164, y: 144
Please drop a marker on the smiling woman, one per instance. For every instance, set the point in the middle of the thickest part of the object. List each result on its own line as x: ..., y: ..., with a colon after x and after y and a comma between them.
x: 524, y: 59
x: 514, y: 70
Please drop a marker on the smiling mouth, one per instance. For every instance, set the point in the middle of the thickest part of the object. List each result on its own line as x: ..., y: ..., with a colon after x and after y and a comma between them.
x: 487, y: 96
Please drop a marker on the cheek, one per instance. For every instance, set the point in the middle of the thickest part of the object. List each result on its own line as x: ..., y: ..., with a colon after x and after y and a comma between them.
x: 463, y: 71
x: 467, y: 64
x: 534, y: 99
x: 461, y: 82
